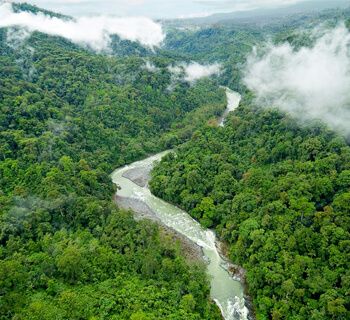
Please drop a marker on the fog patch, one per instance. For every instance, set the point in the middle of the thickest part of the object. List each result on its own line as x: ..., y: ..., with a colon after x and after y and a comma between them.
x: 93, y: 32
x: 191, y: 72
x: 309, y: 83
x: 17, y: 40
x: 15, y: 37
x: 149, y: 66
x: 21, y: 215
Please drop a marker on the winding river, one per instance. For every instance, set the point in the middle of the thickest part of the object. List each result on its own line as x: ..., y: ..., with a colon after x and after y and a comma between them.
x: 134, y: 193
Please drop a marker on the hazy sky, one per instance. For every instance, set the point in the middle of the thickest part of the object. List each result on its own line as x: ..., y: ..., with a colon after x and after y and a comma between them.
x: 156, y: 8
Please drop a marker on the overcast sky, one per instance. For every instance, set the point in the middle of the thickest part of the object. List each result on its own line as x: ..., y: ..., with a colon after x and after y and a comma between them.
x: 156, y: 8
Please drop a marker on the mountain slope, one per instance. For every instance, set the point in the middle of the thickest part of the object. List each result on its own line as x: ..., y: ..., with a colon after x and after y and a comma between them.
x: 68, y: 117
x: 279, y: 195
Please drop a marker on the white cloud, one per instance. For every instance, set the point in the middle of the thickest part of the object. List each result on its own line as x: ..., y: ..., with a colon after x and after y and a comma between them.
x: 89, y: 31
x: 194, y: 71
x: 309, y: 83
x: 160, y: 8
x: 149, y: 66
x: 15, y: 38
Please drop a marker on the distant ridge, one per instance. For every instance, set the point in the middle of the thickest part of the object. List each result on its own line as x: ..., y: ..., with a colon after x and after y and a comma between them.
x: 26, y: 7
x: 241, y: 16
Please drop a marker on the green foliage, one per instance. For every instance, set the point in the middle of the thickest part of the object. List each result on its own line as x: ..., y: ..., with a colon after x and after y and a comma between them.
x: 78, y: 275
x: 278, y: 193
x: 67, y: 118
x: 26, y: 7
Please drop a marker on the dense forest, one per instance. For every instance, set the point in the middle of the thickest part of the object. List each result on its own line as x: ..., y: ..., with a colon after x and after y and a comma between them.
x: 67, y: 118
x: 275, y: 191
x: 278, y: 194
x: 230, y: 41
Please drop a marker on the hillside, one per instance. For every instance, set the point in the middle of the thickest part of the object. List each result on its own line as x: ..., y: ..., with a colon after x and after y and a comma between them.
x: 279, y: 195
x: 273, y: 183
x: 68, y: 116
x: 80, y: 97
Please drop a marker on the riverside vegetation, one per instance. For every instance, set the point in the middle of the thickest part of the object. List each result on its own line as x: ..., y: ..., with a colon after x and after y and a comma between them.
x: 67, y: 117
x: 277, y: 193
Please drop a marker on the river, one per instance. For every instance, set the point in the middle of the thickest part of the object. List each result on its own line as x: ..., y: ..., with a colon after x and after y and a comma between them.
x: 226, y: 291
x: 233, y: 100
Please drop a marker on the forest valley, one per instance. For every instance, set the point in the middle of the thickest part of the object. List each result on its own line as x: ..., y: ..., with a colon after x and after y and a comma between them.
x: 277, y: 191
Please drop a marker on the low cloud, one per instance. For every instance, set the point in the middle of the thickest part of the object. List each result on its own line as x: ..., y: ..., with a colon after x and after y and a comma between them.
x: 149, y: 66
x: 309, y: 83
x: 194, y: 71
x: 93, y: 32
x: 16, y: 37
x: 16, y: 40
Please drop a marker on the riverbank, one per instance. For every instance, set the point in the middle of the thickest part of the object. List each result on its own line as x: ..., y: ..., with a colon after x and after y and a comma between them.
x: 192, y: 252
x: 139, y: 176
x: 239, y: 273
x: 226, y: 290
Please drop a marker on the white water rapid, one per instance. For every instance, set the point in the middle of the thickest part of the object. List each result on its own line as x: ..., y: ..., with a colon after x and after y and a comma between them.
x: 226, y: 291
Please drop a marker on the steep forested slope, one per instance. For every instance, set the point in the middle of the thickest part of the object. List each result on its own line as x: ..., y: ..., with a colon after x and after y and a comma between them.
x: 67, y: 118
x: 275, y: 189
x: 231, y: 41
x: 278, y: 193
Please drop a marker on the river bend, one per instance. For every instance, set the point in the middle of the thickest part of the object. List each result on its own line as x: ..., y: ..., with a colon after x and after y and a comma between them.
x: 132, y: 180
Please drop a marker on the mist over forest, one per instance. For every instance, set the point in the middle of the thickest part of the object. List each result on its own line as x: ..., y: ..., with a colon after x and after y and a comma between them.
x: 245, y: 104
